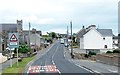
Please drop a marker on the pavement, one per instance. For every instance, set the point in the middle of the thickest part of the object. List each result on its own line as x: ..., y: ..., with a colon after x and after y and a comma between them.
x: 93, y: 66
x: 6, y: 64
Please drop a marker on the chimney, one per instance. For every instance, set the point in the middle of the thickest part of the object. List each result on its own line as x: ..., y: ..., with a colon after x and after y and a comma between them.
x: 33, y: 31
x: 83, y: 26
x: 92, y: 26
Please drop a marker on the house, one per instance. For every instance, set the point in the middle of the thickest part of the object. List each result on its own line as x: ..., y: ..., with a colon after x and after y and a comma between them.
x: 92, y: 39
x: 115, y: 42
x: 35, y: 38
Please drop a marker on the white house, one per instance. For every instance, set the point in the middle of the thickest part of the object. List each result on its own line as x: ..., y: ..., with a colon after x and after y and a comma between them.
x: 96, y: 39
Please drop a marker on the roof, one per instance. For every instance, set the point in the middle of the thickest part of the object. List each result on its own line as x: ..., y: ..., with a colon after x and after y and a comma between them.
x: 105, y: 32
x: 81, y: 32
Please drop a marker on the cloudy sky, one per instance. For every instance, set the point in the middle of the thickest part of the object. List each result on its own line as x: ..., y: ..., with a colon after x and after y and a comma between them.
x: 55, y: 15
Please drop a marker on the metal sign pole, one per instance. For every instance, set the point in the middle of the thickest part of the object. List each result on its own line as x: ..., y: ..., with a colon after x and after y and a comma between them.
x: 10, y: 58
x: 17, y: 57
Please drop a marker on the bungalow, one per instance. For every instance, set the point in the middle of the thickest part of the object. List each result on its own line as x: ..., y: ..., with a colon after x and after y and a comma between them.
x: 92, y: 39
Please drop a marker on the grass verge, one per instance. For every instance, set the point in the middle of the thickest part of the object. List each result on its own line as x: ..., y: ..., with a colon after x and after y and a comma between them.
x: 14, y: 70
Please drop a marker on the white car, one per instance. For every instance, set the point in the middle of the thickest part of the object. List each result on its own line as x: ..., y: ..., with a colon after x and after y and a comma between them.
x: 62, y: 41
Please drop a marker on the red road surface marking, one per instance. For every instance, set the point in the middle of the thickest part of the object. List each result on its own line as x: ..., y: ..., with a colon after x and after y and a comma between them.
x: 44, y: 69
x: 34, y: 69
x: 51, y: 69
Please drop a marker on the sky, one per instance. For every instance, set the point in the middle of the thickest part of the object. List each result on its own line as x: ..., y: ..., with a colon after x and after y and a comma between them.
x: 55, y: 15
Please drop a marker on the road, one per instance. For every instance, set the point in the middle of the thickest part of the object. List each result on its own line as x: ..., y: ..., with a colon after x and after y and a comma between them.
x: 54, y: 61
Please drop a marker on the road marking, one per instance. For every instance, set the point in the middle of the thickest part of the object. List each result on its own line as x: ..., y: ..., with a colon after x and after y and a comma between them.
x: 84, y: 68
x: 44, y: 69
x: 113, y: 71
x: 91, y: 71
x: 71, y: 61
x: 53, y: 60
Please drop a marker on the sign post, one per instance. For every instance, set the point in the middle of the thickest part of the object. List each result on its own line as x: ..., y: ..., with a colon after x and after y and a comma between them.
x: 13, y: 43
x: 10, y: 58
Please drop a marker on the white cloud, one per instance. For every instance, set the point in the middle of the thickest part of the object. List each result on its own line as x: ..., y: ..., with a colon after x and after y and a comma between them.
x: 41, y: 12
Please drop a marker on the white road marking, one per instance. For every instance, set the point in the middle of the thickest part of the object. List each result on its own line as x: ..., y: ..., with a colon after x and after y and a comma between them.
x: 84, y: 68
x: 53, y: 60
x: 113, y: 71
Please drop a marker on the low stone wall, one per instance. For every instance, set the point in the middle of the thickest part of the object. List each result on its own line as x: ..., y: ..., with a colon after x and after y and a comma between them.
x: 112, y: 59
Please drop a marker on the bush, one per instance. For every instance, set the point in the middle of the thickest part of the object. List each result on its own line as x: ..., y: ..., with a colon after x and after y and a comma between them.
x: 86, y: 55
x: 109, y: 52
x: 91, y: 53
x: 116, y: 51
x: 22, y: 49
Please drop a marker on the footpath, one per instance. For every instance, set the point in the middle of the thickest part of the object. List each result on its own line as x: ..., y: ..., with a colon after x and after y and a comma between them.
x: 93, y: 66
x: 6, y: 64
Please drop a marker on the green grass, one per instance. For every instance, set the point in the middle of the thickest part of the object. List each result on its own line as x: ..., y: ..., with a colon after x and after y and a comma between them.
x: 14, y: 70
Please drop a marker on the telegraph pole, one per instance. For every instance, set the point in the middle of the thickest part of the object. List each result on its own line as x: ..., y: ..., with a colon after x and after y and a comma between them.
x: 67, y: 35
x: 72, y: 56
x: 29, y: 35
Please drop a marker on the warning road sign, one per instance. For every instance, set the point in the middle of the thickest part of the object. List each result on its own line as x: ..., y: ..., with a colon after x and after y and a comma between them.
x: 13, y: 40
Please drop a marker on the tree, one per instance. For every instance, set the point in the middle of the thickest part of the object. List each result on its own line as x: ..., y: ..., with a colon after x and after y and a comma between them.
x: 52, y: 34
x: 23, y: 49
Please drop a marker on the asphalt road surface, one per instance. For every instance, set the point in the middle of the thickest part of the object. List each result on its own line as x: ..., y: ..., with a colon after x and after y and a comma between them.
x: 54, y: 62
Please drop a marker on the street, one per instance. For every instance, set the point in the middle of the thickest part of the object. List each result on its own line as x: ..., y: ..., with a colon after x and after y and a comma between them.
x: 54, y: 61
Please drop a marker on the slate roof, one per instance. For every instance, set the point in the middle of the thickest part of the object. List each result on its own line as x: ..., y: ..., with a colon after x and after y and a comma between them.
x: 105, y: 32
x: 81, y: 32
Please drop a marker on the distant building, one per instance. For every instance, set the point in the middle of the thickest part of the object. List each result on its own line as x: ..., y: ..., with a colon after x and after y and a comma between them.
x: 33, y: 31
x: 115, y: 42
x: 95, y: 39
x: 5, y: 28
x: 35, y: 37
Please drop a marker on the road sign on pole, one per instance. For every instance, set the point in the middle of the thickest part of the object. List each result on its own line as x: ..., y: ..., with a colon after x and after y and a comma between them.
x: 13, y: 40
x: 13, y: 43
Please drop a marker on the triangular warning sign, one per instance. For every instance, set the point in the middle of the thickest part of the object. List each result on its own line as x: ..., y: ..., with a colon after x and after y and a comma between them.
x: 13, y: 38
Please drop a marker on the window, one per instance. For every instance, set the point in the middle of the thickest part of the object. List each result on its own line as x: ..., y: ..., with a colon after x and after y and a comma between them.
x: 103, y: 38
x: 113, y: 41
x: 105, y: 46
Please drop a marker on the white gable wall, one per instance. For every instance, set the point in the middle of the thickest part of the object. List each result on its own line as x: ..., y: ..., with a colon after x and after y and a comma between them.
x: 94, y: 40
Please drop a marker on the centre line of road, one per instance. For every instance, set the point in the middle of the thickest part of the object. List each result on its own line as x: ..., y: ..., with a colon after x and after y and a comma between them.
x: 53, y: 57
